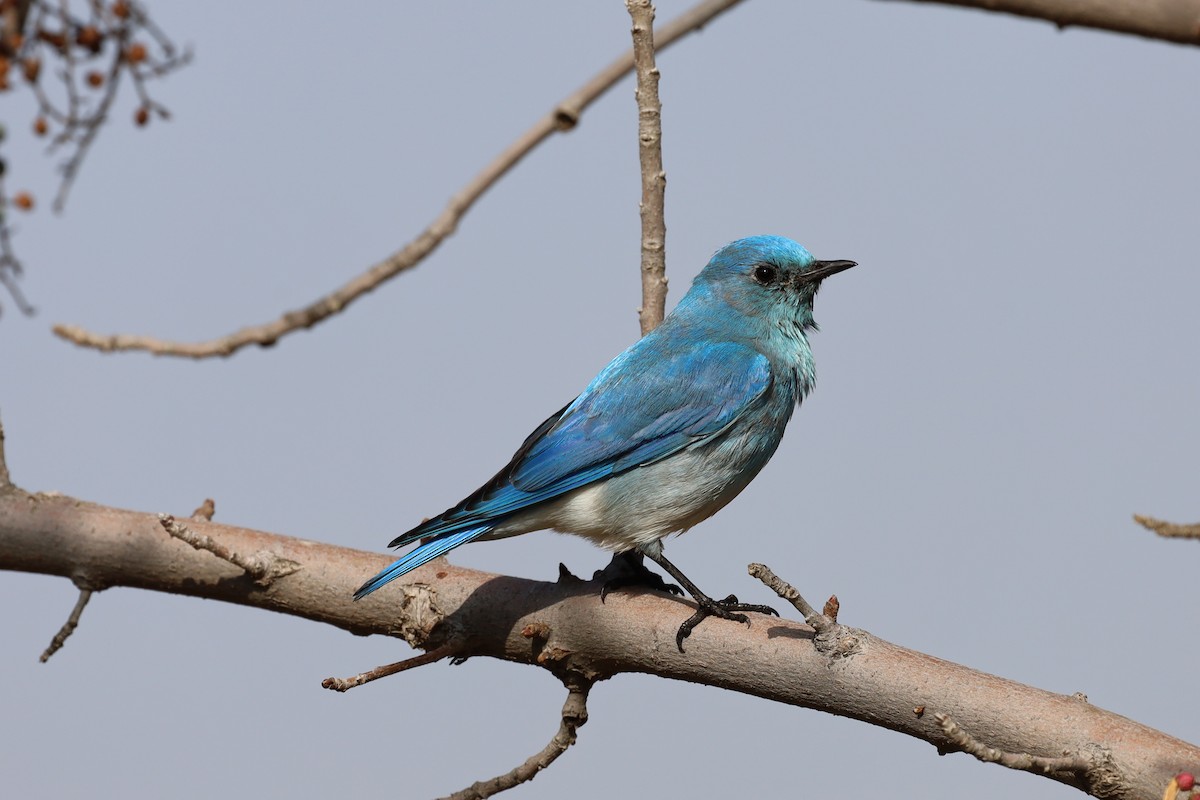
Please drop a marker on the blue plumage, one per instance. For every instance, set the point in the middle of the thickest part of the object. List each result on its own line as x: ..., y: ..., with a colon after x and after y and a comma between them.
x: 667, y: 433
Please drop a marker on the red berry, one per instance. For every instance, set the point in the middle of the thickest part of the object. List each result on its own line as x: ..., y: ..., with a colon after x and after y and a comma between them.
x: 1186, y: 781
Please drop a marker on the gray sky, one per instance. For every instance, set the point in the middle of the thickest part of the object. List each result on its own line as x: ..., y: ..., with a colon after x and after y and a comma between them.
x: 1009, y: 375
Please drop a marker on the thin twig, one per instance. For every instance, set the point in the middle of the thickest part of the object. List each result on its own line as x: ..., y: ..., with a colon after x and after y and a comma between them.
x: 654, y: 177
x: 68, y: 627
x: 345, y: 684
x: 562, y: 117
x: 1169, y: 530
x: 967, y: 743
x: 5, y: 479
x: 820, y: 622
x: 10, y: 265
x: 574, y: 715
x: 90, y: 123
x: 264, y: 567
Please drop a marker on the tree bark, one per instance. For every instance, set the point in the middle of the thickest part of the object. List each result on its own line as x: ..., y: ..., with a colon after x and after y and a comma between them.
x: 565, y: 628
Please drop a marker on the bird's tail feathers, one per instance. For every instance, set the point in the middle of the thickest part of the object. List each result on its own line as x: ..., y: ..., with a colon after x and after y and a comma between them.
x: 420, y: 556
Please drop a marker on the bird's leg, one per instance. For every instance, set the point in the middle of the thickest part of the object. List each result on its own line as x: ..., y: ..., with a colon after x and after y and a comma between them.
x: 629, y: 569
x: 725, y: 609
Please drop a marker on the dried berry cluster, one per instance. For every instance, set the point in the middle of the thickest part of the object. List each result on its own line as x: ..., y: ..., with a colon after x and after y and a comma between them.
x: 73, y: 55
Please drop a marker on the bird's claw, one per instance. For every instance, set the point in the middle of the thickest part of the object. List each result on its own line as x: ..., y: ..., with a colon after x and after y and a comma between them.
x: 628, y: 569
x: 728, y: 608
x: 646, y: 580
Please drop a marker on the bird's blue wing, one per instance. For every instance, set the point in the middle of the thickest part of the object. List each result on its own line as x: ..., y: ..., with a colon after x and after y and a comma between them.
x: 642, y: 407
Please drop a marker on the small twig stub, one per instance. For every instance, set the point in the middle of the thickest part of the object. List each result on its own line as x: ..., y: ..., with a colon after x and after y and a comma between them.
x: 346, y: 684
x: 68, y: 627
x: 264, y: 567
x: 965, y: 742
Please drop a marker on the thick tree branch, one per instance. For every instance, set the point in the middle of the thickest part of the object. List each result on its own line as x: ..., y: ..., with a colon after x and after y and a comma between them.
x: 563, y: 117
x: 654, y: 177
x: 564, y: 627
x: 1169, y: 20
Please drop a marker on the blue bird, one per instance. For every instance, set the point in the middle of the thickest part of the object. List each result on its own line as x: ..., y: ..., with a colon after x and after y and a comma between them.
x: 667, y: 434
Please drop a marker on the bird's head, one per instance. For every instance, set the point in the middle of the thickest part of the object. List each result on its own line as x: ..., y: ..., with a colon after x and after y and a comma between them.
x: 768, y: 278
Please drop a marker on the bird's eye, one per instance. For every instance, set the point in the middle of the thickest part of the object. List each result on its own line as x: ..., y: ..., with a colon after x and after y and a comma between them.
x: 766, y: 274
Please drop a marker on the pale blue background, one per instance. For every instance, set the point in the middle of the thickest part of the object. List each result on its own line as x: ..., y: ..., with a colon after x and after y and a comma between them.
x: 1007, y: 377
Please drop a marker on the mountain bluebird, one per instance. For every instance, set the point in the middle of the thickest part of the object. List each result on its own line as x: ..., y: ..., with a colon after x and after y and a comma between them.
x: 666, y: 434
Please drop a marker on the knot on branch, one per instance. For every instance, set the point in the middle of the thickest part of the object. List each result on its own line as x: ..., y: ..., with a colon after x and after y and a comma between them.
x: 419, y: 614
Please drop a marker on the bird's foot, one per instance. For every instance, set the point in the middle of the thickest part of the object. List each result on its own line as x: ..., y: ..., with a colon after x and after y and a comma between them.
x: 628, y: 569
x: 729, y: 608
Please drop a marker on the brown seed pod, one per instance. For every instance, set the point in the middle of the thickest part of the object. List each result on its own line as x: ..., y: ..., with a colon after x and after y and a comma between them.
x: 31, y: 67
x: 120, y: 9
x: 95, y: 79
x: 142, y: 116
x: 89, y: 37
x: 23, y: 201
x: 40, y: 126
x: 54, y: 39
x: 136, y: 53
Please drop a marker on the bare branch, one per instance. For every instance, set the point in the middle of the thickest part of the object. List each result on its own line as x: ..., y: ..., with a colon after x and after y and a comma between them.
x: 434, y: 655
x: 574, y: 715
x: 654, y: 177
x: 563, y: 117
x: 263, y: 566
x: 1169, y: 530
x: 1169, y: 20
x: 68, y: 627
x: 1021, y: 761
x: 564, y: 628
x: 10, y: 265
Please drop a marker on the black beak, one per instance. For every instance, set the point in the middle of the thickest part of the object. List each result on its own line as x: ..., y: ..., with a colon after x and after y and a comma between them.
x: 823, y: 269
